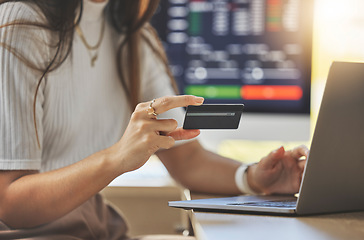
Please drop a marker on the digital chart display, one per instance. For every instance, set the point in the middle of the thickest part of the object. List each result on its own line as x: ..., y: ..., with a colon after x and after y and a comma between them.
x: 256, y: 52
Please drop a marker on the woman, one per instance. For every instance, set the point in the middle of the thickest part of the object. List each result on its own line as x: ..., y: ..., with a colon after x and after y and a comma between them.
x: 77, y: 79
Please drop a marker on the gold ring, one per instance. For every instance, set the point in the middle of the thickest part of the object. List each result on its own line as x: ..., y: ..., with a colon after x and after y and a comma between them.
x: 151, y: 109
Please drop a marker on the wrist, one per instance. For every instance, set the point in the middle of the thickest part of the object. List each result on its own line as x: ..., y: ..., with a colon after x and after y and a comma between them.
x: 241, y: 180
x: 250, y: 177
x: 111, y: 162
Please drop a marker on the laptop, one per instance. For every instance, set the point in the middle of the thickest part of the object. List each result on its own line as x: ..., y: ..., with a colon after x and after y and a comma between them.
x: 333, y: 179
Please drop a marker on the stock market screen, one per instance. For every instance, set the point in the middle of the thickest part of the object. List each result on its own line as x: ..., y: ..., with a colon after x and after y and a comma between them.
x: 256, y: 52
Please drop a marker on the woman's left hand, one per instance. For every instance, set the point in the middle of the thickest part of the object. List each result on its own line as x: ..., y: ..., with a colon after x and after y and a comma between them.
x: 279, y: 172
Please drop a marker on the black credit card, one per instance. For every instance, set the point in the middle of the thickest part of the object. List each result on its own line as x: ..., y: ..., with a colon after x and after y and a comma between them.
x: 213, y: 116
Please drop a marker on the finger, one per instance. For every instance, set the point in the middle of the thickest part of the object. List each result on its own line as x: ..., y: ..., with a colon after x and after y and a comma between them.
x: 301, y: 151
x: 164, y: 125
x: 183, y: 134
x: 164, y: 104
x: 165, y: 142
x: 274, y: 157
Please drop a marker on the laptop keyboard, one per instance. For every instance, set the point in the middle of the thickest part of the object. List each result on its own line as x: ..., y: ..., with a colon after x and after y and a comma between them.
x: 282, y: 204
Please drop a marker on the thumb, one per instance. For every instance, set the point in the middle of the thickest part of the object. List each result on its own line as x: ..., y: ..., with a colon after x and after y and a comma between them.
x: 273, y: 158
x: 302, y: 164
x: 183, y: 134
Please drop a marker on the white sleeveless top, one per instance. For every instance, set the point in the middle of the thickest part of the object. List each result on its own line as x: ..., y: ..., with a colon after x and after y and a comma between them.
x: 80, y: 109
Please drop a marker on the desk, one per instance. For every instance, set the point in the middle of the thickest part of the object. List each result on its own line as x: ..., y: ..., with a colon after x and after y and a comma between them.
x: 221, y: 226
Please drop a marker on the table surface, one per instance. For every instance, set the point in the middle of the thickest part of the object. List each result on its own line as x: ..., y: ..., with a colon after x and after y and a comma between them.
x: 218, y: 226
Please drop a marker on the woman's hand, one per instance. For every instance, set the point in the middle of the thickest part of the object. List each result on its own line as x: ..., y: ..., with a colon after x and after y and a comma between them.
x: 279, y: 172
x: 146, y: 134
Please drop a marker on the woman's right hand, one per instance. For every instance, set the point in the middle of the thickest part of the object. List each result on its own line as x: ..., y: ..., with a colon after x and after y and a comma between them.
x: 145, y: 134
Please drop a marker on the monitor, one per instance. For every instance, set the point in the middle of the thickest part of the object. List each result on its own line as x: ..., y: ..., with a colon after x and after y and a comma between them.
x: 255, y: 52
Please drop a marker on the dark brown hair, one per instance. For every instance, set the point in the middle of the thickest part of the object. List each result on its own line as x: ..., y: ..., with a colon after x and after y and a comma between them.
x: 128, y: 17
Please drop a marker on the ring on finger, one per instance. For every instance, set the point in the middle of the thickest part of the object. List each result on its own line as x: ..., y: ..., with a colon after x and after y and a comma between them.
x: 151, y: 109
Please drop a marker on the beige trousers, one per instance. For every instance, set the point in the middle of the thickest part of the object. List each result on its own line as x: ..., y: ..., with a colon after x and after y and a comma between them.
x: 93, y: 220
x: 147, y: 237
x: 163, y: 237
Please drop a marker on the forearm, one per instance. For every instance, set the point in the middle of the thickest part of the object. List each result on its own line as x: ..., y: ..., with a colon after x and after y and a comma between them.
x: 39, y: 198
x: 217, y: 178
x: 200, y: 170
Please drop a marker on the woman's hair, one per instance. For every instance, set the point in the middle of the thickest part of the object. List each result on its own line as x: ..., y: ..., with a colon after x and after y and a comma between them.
x: 128, y: 17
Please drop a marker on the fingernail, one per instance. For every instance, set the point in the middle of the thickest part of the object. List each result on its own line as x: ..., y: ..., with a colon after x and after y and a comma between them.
x: 199, y: 100
x: 277, y: 149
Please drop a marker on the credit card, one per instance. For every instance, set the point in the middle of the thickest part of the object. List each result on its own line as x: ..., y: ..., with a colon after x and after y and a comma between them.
x: 213, y: 116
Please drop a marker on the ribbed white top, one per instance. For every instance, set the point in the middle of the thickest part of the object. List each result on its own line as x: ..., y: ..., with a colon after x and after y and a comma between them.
x: 80, y: 109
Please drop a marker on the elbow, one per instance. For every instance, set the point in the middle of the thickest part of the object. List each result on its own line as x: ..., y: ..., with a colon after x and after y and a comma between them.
x: 15, y: 218
x: 5, y: 216
x: 8, y: 217
x: 16, y: 208
x: 17, y: 222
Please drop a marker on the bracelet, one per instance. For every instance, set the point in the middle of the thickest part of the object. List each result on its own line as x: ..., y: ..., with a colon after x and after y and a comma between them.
x: 241, y: 180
